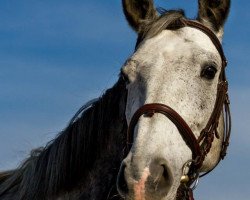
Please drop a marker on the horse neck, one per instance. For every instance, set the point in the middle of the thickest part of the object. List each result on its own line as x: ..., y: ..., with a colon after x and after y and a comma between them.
x: 89, y: 150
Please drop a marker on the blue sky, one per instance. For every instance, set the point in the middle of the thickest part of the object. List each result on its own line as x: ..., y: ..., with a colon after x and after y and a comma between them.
x: 56, y: 55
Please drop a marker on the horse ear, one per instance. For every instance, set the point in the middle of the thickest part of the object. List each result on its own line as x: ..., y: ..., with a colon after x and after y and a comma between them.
x: 213, y: 13
x: 137, y: 11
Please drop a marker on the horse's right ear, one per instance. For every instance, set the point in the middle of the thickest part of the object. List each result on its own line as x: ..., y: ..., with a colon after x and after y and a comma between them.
x: 138, y: 11
x: 213, y: 13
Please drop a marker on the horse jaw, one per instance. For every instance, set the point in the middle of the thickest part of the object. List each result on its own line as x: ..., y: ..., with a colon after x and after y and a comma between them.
x: 166, y: 69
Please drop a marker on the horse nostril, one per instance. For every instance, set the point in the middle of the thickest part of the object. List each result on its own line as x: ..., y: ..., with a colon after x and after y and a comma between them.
x: 122, y: 186
x: 160, y: 179
x: 166, y: 173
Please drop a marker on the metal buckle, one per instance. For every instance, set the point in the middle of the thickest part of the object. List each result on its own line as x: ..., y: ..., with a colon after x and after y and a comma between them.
x: 186, y: 179
x: 185, y: 169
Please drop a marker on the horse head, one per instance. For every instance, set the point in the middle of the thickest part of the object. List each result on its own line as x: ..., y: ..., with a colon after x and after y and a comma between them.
x: 178, y: 65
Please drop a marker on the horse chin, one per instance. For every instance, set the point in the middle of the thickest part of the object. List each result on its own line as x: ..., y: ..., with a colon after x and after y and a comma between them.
x: 170, y: 196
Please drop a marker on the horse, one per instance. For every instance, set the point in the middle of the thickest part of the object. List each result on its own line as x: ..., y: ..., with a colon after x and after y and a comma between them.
x: 164, y: 123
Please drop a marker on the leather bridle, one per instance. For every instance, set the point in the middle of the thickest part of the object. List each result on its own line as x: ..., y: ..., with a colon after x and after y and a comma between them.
x: 200, y: 147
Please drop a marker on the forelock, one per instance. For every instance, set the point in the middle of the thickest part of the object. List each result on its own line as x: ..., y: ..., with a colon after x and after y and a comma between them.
x: 168, y: 19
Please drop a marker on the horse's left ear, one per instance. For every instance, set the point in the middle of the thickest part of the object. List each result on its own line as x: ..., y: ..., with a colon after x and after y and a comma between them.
x: 138, y: 11
x: 213, y: 13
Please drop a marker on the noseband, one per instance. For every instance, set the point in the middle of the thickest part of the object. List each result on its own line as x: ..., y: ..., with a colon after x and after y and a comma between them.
x: 200, y: 147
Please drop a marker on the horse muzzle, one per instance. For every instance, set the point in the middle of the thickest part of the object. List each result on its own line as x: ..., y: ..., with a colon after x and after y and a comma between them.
x: 153, y: 182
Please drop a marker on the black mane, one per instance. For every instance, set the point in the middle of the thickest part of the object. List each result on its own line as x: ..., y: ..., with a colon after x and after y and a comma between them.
x: 87, y: 152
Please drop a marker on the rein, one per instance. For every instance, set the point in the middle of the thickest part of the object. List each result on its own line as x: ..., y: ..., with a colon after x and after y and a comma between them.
x: 200, y: 147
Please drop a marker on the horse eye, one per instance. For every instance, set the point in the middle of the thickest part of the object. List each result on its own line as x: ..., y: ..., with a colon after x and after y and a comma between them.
x: 209, y: 72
